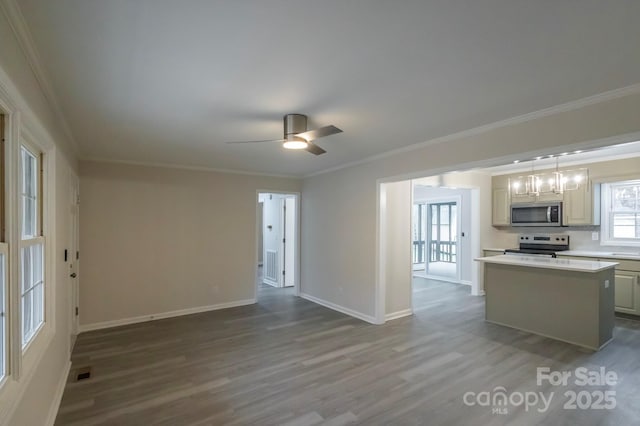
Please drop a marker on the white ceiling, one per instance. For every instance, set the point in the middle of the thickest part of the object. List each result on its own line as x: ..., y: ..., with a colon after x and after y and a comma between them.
x: 566, y: 159
x: 162, y: 81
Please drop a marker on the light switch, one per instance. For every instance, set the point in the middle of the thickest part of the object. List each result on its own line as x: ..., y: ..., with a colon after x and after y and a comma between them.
x: 595, y: 236
x: 606, y: 283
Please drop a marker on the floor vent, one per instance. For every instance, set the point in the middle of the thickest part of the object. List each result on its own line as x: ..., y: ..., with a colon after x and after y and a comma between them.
x: 83, y: 373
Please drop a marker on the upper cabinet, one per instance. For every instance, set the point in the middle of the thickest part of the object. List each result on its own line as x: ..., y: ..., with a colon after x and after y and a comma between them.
x: 501, y: 201
x: 582, y: 206
x: 501, y: 214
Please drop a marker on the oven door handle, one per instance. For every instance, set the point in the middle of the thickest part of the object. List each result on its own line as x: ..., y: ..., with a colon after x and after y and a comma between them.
x: 549, y: 214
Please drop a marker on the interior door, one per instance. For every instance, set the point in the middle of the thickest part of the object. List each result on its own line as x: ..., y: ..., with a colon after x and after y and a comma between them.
x: 289, y: 241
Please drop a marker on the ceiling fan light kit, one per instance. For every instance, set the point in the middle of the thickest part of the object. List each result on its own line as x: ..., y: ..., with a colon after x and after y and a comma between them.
x: 296, y: 135
x: 295, y: 143
x: 293, y: 125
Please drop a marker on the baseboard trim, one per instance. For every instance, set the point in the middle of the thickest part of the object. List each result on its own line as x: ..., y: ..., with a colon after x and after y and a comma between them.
x: 57, y: 397
x: 398, y: 314
x: 341, y: 309
x: 163, y: 315
x: 465, y: 282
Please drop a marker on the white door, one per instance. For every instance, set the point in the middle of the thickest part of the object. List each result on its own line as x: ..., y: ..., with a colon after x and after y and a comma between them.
x: 289, y: 238
x: 272, y: 240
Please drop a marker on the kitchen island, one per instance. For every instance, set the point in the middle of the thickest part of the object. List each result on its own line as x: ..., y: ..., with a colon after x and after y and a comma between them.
x: 564, y: 299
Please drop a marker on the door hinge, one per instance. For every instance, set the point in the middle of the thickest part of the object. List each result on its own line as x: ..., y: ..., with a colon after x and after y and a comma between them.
x: 77, y: 255
x: 284, y: 240
x: 76, y: 311
x: 282, y: 272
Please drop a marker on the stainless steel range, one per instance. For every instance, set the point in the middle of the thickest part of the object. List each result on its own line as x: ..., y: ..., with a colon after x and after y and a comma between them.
x: 540, y: 245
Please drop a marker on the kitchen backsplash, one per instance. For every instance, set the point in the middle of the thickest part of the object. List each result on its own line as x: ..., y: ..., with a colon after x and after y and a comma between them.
x: 580, y: 238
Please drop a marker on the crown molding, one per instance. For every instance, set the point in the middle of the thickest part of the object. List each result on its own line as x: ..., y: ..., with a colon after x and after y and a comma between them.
x: 634, y: 89
x: 27, y: 44
x: 185, y: 167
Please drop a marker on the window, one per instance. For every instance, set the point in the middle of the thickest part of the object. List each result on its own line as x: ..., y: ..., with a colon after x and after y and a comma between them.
x: 621, y: 213
x: 419, y: 233
x: 32, y: 245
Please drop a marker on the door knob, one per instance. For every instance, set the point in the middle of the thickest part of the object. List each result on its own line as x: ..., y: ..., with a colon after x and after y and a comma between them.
x: 73, y: 275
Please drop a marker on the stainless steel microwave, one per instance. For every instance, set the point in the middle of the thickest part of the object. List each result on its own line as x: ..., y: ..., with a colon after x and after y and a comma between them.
x: 536, y: 214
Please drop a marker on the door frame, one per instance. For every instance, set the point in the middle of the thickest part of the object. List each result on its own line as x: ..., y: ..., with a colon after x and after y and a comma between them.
x: 296, y: 243
x: 73, y: 255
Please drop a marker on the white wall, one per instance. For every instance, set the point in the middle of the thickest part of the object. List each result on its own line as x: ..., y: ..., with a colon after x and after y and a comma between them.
x: 340, y: 207
x: 398, y: 246
x: 157, y: 240
x: 33, y: 399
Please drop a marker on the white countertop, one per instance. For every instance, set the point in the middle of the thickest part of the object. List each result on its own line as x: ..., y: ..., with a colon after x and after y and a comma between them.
x: 589, y: 253
x: 601, y: 254
x: 549, y: 263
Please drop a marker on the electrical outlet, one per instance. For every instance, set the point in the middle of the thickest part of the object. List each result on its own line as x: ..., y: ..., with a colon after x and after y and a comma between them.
x: 606, y: 283
x: 595, y: 236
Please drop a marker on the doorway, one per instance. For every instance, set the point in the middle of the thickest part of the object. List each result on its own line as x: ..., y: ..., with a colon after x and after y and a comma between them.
x: 437, y: 233
x: 424, y: 223
x: 278, y: 242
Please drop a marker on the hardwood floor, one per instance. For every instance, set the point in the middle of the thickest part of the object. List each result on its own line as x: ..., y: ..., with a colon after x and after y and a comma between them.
x: 289, y: 361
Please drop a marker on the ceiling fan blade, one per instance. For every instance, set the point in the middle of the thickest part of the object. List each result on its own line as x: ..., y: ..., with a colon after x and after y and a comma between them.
x: 265, y: 140
x: 314, y: 149
x: 319, y: 133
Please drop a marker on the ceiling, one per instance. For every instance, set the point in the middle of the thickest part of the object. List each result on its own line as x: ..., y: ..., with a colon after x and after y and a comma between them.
x: 566, y: 159
x: 159, y: 81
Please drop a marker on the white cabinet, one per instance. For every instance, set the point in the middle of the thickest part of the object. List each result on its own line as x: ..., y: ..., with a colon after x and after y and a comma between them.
x: 550, y: 196
x: 627, y: 297
x: 582, y: 206
x: 501, y: 213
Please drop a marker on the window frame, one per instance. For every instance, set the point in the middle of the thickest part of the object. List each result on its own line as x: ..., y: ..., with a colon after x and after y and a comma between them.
x: 606, y: 230
x: 30, y: 240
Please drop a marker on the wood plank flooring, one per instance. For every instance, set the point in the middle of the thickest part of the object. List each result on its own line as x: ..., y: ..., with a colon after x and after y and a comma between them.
x: 287, y: 361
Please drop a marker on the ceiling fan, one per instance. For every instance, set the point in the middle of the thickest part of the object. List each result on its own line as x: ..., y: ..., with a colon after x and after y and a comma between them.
x: 296, y: 135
